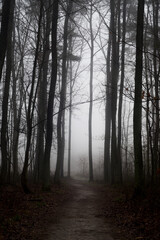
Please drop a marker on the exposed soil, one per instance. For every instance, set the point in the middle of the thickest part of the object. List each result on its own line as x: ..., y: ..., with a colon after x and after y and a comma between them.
x: 82, y: 218
x: 79, y: 210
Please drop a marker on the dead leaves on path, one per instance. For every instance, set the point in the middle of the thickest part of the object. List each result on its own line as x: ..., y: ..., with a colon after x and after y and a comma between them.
x: 26, y: 216
x: 136, y: 218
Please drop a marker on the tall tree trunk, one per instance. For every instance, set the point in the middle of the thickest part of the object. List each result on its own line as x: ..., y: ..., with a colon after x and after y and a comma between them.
x: 6, y: 10
x: 151, y: 127
x: 156, y: 78
x: 147, y: 105
x: 114, y: 78
x: 49, y: 127
x: 147, y: 124
x: 137, y: 119
x: 30, y: 110
x: 121, y: 90
x: 42, y: 98
x: 4, y: 128
x: 91, y: 96
x: 63, y: 144
x: 60, y: 151
x: 17, y: 109
x: 70, y: 122
x: 16, y: 124
x: 107, y: 117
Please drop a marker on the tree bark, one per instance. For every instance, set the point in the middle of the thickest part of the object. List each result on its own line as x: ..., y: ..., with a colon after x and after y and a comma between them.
x: 60, y: 145
x: 70, y: 121
x: 114, y: 78
x: 6, y: 10
x: 156, y: 78
x: 30, y: 110
x: 42, y: 97
x: 107, y: 140
x: 4, y: 128
x: 17, y: 108
x: 49, y: 127
x: 121, y: 91
x: 91, y: 97
x: 63, y: 144
x: 137, y: 119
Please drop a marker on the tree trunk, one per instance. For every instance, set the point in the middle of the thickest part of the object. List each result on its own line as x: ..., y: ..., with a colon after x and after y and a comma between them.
x: 63, y: 144
x: 17, y: 119
x: 30, y: 110
x: 114, y: 78
x: 70, y: 123
x: 4, y: 128
x: 91, y: 97
x: 6, y: 10
x: 156, y: 78
x: 17, y: 109
x: 107, y: 117
x: 137, y: 124
x: 147, y: 107
x: 42, y: 98
x: 60, y: 151
x: 49, y: 127
x: 151, y: 128
x: 121, y: 91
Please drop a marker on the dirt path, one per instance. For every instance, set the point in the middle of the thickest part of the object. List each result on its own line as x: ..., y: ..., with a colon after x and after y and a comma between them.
x: 80, y: 218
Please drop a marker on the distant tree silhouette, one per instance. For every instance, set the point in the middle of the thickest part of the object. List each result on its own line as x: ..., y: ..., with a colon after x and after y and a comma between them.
x: 137, y: 121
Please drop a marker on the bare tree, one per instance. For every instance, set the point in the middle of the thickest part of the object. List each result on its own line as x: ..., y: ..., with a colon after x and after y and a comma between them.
x: 114, y: 79
x: 121, y: 90
x: 156, y: 66
x: 31, y: 106
x: 137, y: 120
x: 42, y: 93
x: 49, y: 127
x: 107, y: 116
x: 6, y: 10
x: 60, y: 140
x: 4, y: 128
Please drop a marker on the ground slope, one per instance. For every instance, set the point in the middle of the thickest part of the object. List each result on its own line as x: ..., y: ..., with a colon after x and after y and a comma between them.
x: 81, y: 217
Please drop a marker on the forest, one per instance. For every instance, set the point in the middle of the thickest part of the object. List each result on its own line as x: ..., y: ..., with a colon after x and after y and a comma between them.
x: 56, y: 58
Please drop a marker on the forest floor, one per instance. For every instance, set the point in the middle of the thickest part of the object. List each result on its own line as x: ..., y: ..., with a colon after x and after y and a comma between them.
x: 78, y: 210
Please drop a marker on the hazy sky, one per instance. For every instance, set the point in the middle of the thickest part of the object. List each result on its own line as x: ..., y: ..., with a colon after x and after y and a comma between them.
x: 79, y: 148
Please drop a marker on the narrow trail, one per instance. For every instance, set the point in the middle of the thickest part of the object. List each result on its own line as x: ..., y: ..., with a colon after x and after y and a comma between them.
x: 80, y: 218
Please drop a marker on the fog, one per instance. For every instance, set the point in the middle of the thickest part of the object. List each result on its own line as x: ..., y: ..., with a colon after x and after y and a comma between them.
x: 80, y: 113
x: 80, y: 134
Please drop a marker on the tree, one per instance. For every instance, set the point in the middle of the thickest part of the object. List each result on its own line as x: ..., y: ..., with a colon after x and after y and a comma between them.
x: 4, y: 128
x: 137, y: 119
x: 156, y: 65
x: 107, y: 140
x: 121, y: 90
x: 42, y: 93
x: 6, y: 9
x: 70, y: 110
x: 91, y: 93
x: 73, y: 43
x: 60, y: 140
x: 114, y: 79
x: 49, y: 126
x: 31, y: 106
